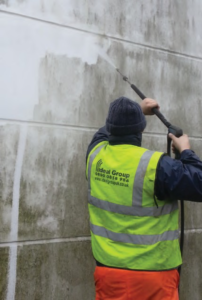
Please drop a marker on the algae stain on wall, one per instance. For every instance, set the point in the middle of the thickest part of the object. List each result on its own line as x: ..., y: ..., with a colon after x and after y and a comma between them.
x: 12, y: 261
x: 3, y: 271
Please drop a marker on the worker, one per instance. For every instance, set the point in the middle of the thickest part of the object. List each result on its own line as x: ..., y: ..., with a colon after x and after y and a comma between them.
x: 132, y: 200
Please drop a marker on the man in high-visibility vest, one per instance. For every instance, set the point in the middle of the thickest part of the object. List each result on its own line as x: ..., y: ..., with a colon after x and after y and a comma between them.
x: 132, y: 200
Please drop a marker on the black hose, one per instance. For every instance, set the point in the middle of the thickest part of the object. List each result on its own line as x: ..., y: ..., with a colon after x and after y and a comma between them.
x: 181, y: 205
x: 182, y: 230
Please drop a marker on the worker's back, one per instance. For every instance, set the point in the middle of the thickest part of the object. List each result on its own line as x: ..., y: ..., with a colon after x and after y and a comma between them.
x: 129, y: 226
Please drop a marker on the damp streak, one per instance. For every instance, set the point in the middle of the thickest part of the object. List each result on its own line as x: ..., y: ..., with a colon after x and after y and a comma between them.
x: 12, y: 267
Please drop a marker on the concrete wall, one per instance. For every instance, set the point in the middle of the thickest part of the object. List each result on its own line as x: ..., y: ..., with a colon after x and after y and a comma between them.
x: 56, y: 81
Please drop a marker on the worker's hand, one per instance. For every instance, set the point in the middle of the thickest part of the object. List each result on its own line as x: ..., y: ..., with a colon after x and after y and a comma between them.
x: 181, y: 143
x: 147, y: 104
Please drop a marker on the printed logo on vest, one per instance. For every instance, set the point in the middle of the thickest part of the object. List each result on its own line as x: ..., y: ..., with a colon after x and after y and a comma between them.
x: 102, y: 170
x: 99, y: 163
x: 111, y: 176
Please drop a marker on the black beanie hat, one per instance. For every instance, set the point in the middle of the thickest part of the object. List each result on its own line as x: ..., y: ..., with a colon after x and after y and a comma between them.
x: 125, y: 117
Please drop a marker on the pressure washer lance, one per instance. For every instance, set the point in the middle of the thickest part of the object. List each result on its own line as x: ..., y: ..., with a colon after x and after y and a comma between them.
x: 171, y: 129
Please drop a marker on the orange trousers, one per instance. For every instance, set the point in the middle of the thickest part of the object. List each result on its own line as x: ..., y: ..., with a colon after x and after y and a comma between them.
x: 118, y: 284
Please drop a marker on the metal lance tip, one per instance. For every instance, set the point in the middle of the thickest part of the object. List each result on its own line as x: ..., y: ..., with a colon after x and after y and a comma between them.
x: 123, y: 76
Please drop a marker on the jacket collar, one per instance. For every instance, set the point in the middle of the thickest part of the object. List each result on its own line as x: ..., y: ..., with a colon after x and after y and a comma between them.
x: 134, y: 139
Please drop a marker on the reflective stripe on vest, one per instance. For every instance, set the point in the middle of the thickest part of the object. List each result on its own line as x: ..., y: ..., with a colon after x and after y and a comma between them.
x: 132, y: 210
x: 135, y: 239
x: 90, y: 163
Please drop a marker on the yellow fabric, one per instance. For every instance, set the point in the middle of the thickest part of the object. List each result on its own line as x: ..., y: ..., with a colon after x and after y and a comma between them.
x: 113, y: 171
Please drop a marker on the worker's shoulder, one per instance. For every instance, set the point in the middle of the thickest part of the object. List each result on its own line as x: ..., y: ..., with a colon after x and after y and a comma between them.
x: 97, y: 146
x: 168, y: 164
x: 153, y: 153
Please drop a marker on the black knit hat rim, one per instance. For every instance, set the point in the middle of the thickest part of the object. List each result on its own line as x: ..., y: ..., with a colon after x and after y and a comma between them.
x: 123, y: 112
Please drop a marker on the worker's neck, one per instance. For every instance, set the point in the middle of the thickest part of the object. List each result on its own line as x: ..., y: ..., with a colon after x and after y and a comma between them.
x: 133, y: 139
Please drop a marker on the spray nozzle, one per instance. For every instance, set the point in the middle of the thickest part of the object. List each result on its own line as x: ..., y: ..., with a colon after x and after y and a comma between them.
x: 125, y: 78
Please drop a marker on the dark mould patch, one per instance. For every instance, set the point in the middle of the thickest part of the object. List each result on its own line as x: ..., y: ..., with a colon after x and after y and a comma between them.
x: 30, y: 270
x: 55, y: 271
x: 28, y: 216
x: 76, y: 197
x: 3, y: 271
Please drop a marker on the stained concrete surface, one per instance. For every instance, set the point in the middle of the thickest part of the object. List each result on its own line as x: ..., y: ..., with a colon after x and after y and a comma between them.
x: 191, y: 285
x: 3, y: 271
x: 61, y: 94
x: 52, y: 189
x: 65, y: 94
x: 53, y: 194
x: 62, y: 271
x: 88, y: 105
x: 170, y: 25
x: 8, y: 151
x: 159, y: 142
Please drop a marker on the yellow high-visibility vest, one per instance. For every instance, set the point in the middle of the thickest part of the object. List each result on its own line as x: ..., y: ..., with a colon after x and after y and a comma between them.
x: 129, y: 228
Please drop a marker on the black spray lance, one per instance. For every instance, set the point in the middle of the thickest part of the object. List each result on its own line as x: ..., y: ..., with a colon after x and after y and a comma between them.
x: 171, y: 129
